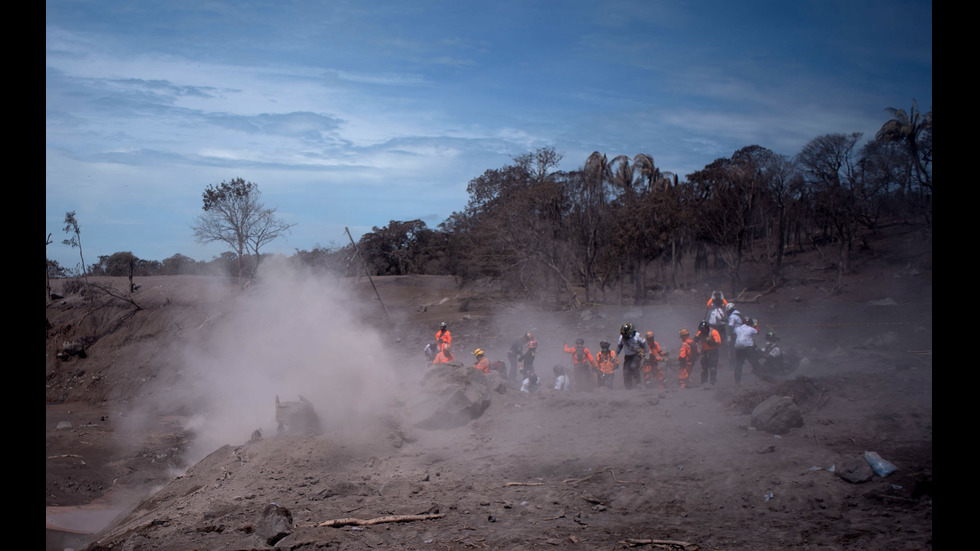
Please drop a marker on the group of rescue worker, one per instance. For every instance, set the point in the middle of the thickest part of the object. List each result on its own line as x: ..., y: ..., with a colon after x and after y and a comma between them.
x: 724, y: 331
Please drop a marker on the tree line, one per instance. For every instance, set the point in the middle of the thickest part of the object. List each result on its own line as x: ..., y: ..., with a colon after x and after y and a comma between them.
x: 617, y: 222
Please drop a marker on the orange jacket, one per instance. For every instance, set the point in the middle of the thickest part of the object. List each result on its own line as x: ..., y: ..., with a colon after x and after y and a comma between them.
x: 656, y: 353
x: 724, y: 302
x: 444, y: 338
x: 585, y: 357
x: 443, y: 356
x: 483, y: 365
x: 689, y: 352
x: 607, y: 362
x: 711, y: 341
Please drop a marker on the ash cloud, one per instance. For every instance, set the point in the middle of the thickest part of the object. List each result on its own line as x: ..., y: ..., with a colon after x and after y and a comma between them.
x: 292, y: 334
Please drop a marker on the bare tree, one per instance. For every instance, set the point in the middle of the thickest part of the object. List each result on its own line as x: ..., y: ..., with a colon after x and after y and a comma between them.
x: 72, y: 229
x: 234, y: 215
x: 47, y: 272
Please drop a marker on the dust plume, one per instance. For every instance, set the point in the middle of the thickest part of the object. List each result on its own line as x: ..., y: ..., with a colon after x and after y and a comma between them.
x: 292, y: 334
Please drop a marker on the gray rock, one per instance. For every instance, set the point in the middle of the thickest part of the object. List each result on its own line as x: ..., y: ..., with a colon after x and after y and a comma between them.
x: 275, y: 524
x: 855, y: 471
x: 297, y: 418
x: 452, y: 395
x: 777, y: 414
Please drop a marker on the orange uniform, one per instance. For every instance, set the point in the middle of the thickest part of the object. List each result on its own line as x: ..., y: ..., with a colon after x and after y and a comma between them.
x: 652, y: 368
x: 444, y: 355
x: 687, y: 357
x: 607, y: 362
x: 444, y: 338
x: 483, y: 364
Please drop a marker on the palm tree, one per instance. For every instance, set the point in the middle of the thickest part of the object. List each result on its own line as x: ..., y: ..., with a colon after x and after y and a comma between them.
x: 913, y: 131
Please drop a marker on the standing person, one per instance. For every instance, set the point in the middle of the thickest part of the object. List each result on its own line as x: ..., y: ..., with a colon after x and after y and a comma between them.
x: 443, y: 356
x: 709, y: 341
x: 686, y: 358
x: 516, y: 354
x: 482, y: 362
x: 745, y: 349
x: 582, y: 365
x: 443, y: 337
x: 652, y: 368
x: 562, y: 383
x: 717, y: 300
x: 635, y: 345
x: 528, y: 362
x: 718, y: 319
x: 606, y: 363
x: 772, y: 354
x: 734, y: 320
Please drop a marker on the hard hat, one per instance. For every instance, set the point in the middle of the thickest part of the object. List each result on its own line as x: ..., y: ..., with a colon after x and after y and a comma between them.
x: 478, y: 352
x: 628, y: 330
x: 603, y: 344
x: 442, y: 325
x: 717, y: 295
x: 685, y: 332
x: 730, y: 307
x: 579, y: 341
x: 650, y: 334
x: 703, y: 325
x: 770, y: 336
x: 749, y: 321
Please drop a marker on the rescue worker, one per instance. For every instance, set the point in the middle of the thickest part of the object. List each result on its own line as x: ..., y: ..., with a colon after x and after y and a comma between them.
x: 516, y: 354
x: 686, y: 358
x: 717, y: 300
x: 482, y: 362
x: 443, y: 337
x: 709, y: 342
x: 527, y: 365
x: 734, y: 320
x: 745, y: 349
x: 772, y: 355
x: 635, y: 346
x: 718, y: 320
x: 582, y: 366
x: 443, y: 356
x: 562, y: 383
x: 606, y: 363
x: 652, y: 368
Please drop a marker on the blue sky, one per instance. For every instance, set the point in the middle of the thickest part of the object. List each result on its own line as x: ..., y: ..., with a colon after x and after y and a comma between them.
x: 356, y: 113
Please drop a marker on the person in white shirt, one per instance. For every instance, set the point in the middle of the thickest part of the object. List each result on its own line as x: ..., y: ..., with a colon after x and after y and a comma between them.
x: 745, y: 349
x: 562, y: 383
x: 532, y: 384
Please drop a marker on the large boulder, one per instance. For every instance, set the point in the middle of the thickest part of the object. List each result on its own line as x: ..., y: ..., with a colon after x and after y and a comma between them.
x: 296, y: 418
x: 451, y: 396
x: 777, y: 414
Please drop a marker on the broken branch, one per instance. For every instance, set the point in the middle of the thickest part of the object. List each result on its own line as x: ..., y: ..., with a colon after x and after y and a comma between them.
x: 336, y: 523
x: 665, y: 544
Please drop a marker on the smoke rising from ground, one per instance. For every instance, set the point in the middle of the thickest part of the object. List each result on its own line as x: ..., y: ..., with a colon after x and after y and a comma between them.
x: 292, y: 334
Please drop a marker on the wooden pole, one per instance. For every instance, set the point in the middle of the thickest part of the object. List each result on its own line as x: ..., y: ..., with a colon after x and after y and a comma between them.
x: 383, y: 307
